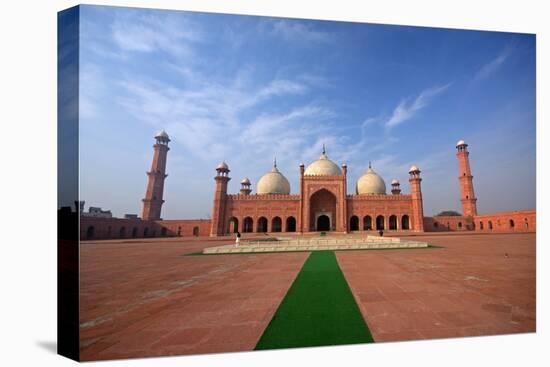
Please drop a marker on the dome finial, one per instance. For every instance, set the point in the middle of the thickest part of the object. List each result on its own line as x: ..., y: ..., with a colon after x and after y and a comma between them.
x: 370, y: 165
x: 324, y: 150
x: 275, y: 169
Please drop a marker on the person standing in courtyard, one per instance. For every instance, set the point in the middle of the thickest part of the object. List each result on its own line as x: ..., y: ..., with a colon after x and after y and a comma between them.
x: 238, y: 239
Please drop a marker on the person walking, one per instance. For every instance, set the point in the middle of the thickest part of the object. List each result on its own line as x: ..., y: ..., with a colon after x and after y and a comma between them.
x: 238, y: 239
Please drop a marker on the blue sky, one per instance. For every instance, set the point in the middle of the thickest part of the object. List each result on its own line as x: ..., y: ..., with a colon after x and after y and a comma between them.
x: 246, y: 89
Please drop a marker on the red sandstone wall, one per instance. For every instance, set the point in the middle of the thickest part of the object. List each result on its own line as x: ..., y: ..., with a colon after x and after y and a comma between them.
x: 443, y: 223
x: 375, y: 205
x: 187, y: 227
x: 118, y: 228
x: 513, y: 221
x: 269, y: 206
x: 114, y: 228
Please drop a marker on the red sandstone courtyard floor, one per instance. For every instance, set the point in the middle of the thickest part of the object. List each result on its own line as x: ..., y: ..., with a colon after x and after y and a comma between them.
x: 143, y: 298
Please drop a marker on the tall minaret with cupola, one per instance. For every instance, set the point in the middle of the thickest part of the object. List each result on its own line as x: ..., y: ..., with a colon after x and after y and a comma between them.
x: 467, y: 195
x: 153, y: 201
x: 220, y: 196
x: 416, y: 196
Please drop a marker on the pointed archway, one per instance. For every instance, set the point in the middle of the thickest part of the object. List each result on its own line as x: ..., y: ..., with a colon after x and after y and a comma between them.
x: 291, y: 224
x: 322, y: 204
x: 323, y: 223
x: 354, y: 223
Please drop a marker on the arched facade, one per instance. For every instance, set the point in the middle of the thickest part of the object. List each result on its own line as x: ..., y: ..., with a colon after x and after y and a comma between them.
x: 515, y: 221
x: 321, y: 203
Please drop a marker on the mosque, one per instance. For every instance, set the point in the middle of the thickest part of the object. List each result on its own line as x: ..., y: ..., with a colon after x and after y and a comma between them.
x: 322, y: 204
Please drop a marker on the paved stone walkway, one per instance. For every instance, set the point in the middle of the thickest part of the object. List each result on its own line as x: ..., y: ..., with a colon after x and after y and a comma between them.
x: 468, y: 288
x: 143, y: 298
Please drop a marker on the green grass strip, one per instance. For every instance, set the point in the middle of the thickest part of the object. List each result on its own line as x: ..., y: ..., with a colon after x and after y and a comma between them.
x: 319, y: 309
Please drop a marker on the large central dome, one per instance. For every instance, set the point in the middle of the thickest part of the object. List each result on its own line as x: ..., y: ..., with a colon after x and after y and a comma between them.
x: 370, y: 183
x: 323, y: 167
x: 273, y: 182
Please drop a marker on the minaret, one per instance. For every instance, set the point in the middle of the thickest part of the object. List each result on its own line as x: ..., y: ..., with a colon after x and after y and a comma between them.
x: 302, y: 225
x: 344, y: 190
x: 345, y: 170
x: 245, y: 186
x: 220, y: 196
x: 416, y: 194
x: 395, y: 187
x: 467, y: 195
x: 152, y: 203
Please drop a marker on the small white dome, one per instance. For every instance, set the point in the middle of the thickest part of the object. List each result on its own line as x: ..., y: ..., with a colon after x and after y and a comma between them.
x: 273, y: 182
x: 222, y: 165
x: 394, y: 182
x: 245, y: 181
x: 162, y: 134
x: 460, y: 143
x: 323, y: 167
x: 370, y: 183
x: 414, y: 168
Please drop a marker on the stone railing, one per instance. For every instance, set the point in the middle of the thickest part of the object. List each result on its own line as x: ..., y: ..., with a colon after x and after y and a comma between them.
x: 324, y: 241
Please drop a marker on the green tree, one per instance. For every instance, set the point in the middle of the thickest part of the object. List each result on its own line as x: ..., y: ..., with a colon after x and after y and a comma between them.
x: 449, y: 213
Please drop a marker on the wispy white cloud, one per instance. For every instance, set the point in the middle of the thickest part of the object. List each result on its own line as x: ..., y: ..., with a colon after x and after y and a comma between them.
x: 407, y: 108
x: 204, y: 116
x: 282, y: 87
x: 222, y: 117
x: 149, y: 33
x: 494, y: 65
x: 295, y: 31
x: 92, y: 88
x: 316, y: 80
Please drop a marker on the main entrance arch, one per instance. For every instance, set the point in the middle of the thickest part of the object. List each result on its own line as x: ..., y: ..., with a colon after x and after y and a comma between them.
x: 323, y: 223
x: 322, y: 207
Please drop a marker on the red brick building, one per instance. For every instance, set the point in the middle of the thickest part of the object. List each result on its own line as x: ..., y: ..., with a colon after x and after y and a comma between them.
x: 322, y: 204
